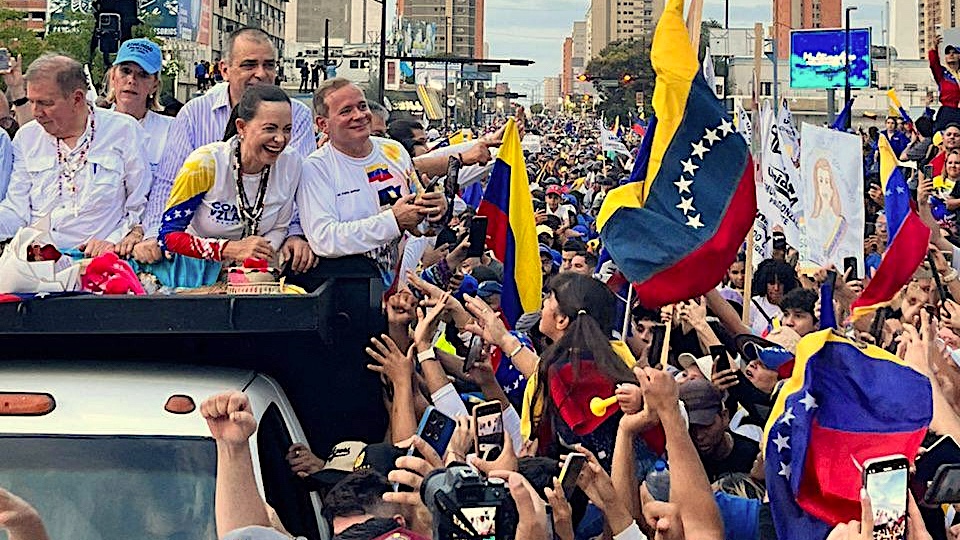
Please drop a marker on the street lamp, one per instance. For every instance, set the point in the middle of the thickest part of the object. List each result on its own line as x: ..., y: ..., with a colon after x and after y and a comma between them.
x: 383, y: 50
x: 846, y: 62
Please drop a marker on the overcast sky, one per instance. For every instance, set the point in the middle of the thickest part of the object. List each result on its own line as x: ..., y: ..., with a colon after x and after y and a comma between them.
x: 535, y: 29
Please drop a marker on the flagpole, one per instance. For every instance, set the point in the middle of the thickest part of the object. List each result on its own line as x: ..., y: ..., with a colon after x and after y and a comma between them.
x: 626, y: 314
x: 694, y: 16
x: 665, y: 349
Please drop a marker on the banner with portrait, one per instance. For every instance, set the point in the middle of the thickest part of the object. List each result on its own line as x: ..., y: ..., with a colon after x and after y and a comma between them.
x: 778, y: 198
x: 831, y: 193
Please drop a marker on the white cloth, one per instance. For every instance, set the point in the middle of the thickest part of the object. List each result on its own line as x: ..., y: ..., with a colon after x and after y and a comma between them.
x: 111, y: 189
x: 156, y: 127
x: 218, y: 215
x: 563, y: 212
x: 630, y: 533
x: 447, y: 400
x: 758, y: 323
x: 345, y: 203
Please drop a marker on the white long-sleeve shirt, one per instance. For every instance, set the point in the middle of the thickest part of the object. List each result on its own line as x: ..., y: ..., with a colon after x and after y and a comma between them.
x: 110, y: 190
x: 345, y: 203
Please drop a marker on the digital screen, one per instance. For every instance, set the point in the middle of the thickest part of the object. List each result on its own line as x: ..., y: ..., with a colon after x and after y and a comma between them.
x: 483, y: 519
x: 888, y: 497
x: 816, y: 58
x: 489, y: 434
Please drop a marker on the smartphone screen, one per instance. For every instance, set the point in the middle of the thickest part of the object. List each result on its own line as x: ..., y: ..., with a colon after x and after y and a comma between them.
x: 928, y: 171
x: 571, y: 471
x: 478, y: 236
x: 4, y: 60
x: 885, y: 480
x: 721, y: 361
x: 658, y: 334
x: 488, y: 421
x: 945, y: 487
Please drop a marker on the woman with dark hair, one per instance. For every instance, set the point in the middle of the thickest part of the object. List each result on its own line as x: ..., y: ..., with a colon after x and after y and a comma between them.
x: 772, y: 280
x: 578, y: 316
x: 233, y: 200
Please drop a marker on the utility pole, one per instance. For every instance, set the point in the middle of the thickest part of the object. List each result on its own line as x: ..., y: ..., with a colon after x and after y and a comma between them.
x: 846, y: 62
x: 326, y: 47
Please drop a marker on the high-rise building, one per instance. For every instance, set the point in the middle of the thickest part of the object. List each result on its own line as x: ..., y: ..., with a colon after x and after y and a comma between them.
x: 904, y: 28
x: 803, y: 14
x: 566, y: 71
x: 552, y: 98
x: 230, y: 15
x: 615, y: 20
x: 364, y: 21
x: 932, y: 17
x: 459, y: 23
x: 309, y: 16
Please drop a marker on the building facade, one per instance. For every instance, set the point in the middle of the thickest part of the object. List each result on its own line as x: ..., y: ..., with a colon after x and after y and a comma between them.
x: 566, y: 70
x: 459, y: 23
x: 803, y: 14
x: 552, y: 98
x: 615, y: 20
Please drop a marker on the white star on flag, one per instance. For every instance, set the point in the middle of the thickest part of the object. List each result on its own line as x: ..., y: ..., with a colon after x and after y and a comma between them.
x: 686, y: 205
x: 694, y: 222
x: 781, y: 442
x: 176, y: 213
x: 167, y: 218
x: 900, y: 190
x: 699, y: 149
x: 787, y: 416
x: 688, y: 166
x: 711, y: 136
x: 726, y: 127
x: 808, y: 401
x: 683, y: 185
x: 187, y: 212
x: 784, y: 470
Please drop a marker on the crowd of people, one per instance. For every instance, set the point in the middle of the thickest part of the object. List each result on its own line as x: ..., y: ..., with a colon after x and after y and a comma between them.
x: 244, y: 172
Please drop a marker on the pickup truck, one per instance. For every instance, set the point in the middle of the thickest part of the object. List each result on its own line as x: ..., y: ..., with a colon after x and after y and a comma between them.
x: 113, y: 449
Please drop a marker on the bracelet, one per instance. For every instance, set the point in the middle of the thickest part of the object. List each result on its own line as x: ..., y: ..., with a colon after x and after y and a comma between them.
x: 949, y: 277
x: 426, y: 355
x: 515, y: 351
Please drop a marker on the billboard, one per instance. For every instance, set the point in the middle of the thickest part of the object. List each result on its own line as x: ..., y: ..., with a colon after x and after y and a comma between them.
x: 193, y: 20
x: 416, y: 38
x: 160, y: 14
x: 816, y: 58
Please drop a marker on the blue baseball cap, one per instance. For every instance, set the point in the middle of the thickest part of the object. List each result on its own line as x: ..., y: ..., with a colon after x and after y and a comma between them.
x: 488, y: 288
x: 142, y: 52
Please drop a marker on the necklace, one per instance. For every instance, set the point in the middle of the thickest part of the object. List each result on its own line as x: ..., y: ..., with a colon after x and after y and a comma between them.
x: 249, y: 215
x: 73, y: 161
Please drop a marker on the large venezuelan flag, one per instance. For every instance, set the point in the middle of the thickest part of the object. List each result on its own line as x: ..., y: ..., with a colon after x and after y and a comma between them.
x: 907, y: 239
x: 511, y: 228
x: 677, y: 230
x: 845, y: 403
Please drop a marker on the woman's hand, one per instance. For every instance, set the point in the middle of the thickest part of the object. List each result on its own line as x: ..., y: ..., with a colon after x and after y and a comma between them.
x: 562, y: 512
x: 461, y: 442
x: 251, y: 247
x: 629, y: 397
x: 125, y: 248
x: 391, y: 361
x: 427, y: 324
x: 488, y: 324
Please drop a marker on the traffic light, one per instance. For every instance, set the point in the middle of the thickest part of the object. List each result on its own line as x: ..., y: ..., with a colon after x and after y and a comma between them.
x: 627, y: 78
x: 582, y: 78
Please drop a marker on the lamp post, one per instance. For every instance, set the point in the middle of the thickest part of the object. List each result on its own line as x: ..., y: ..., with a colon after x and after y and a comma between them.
x: 846, y: 61
x: 383, y: 51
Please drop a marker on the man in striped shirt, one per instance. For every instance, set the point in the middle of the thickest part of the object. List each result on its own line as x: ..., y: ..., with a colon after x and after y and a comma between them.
x: 250, y: 58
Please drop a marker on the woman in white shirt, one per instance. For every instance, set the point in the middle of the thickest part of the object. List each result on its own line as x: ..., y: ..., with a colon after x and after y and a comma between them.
x: 233, y: 200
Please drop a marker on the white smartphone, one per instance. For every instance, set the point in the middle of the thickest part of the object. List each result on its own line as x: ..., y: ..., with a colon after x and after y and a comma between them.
x: 885, y: 479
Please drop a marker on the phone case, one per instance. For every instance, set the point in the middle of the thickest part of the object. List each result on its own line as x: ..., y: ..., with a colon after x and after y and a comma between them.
x: 436, y: 429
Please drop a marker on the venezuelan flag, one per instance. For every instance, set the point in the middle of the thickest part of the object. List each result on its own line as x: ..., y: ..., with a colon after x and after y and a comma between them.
x: 845, y: 403
x: 840, y: 123
x: 378, y: 173
x: 677, y: 230
x: 511, y: 229
x: 902, y: 113
x: 907, y: 243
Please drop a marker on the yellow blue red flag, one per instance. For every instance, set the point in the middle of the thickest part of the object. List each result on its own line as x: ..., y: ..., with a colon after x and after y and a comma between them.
x: 677, y: 228
x: 907, y: 235
x: 512, y: 229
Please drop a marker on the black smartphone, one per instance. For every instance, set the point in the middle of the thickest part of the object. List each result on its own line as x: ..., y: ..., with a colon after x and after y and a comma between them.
x: 570, y: 472
x: 779, y: 241
x: 885, y: 479
x: 658, y: 332
x: 945, y: 487
x: 431, y: 187
x: 478, y: 236
x: 944, y: 451
x: 721, y: 361
x: 870, y: 230
x: 850, y: 265
x: 473, y: 353
x: 488, y: 430
x: 928, y: 171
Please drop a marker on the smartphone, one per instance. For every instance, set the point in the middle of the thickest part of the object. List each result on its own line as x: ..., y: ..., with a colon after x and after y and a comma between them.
x: 488, y: 430
x: 885, y: 479
x: 571, y: 471
x: 945, y: 487
x: 436, y: 429
x: 431, y: 187
x: 850, y: 265
x: 870, y: 230
x: 658, y: 333
x: 928, y: 171
x: 473, y: 353
x: 478, y: 236
x: 944, y: 451
x: 4, y: 60
x: 721, y: 361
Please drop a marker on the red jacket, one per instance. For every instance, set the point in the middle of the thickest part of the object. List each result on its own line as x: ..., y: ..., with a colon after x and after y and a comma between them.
x: 949, y: 88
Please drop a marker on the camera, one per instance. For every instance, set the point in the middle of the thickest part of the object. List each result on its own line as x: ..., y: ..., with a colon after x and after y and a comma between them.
x: 467, y: 506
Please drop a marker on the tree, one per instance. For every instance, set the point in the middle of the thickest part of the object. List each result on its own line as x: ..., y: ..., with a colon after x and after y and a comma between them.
x: 621, y: 71
x: 536, y: 108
